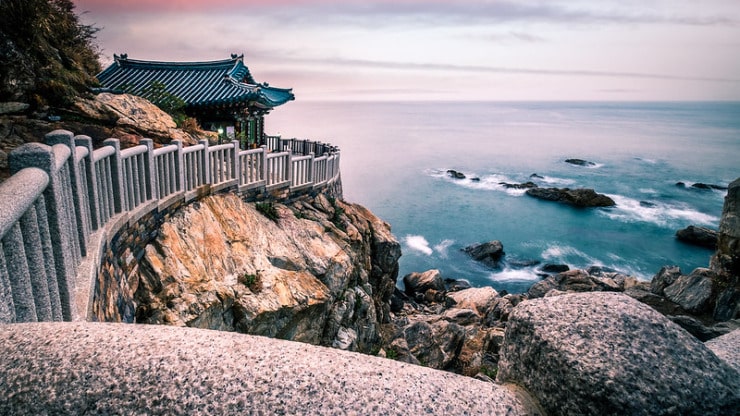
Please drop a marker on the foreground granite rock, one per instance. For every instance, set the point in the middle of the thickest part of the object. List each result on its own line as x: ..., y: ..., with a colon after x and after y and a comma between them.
x: 123, y: 369
x: 322, y: 273
x: 607, y: 354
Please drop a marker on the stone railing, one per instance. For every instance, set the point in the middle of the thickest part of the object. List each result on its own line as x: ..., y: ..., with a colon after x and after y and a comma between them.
x: 66, y: 200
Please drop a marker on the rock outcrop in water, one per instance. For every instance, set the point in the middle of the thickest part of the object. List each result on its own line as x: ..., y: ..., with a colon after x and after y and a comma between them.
x: 698, y: 236
x: 580, y: 162
x: 323, y: 273
x: 582, y: 197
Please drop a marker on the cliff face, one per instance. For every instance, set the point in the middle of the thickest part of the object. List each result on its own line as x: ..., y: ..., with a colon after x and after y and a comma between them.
x: 726, y: 261
x: 322, y: 272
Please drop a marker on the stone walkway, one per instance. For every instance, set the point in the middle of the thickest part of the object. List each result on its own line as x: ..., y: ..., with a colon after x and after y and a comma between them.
x: 94, y: 368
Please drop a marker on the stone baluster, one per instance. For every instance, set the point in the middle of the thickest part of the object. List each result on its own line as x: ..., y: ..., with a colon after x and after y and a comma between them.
x: 152, y: 182
x: 116, y: 170
x: 90, y: 175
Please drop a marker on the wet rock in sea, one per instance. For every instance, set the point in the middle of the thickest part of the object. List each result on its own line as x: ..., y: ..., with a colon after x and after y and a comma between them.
x: 647, y: 204
x: 555, y: 268
x: 698, y: 236
x: 608, y: 354
x: 454, y: 285
x: 489, y: 253
x: 708, y: 186
x: 536, y: 176
x: 455, y: 174
x: 581, y: 198
x: 580, y: 162
x: 525, y: 185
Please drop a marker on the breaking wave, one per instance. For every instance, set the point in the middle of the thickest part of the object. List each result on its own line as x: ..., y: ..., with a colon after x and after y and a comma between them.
x: 660, y: 213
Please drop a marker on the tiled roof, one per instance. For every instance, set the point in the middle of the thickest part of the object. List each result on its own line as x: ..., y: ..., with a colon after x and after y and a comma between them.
x: 199, y: 84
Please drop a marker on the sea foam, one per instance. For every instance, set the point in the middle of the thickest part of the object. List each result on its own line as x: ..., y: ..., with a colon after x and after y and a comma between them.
x: 418, y: 243
x: 660, y: 213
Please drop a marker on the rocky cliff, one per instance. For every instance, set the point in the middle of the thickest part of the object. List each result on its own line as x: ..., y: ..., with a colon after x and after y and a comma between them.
x: 318, y: 270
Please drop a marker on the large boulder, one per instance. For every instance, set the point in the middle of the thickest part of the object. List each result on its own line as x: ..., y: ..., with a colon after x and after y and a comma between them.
x: 698, y: 236
x: 415, y: 282
x: 133, y: 114
x: 581, y: 198
x: 608, y: 354
x: 479, y: 299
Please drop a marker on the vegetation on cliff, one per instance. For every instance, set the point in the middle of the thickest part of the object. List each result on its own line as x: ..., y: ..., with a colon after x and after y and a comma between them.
x: 47, y: 56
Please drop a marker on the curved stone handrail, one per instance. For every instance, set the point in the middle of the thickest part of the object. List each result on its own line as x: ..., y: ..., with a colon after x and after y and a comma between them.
x: 66, y: 201
x: 169, y: 370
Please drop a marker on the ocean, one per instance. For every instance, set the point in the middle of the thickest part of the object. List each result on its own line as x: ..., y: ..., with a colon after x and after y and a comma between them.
x: 395, y: 157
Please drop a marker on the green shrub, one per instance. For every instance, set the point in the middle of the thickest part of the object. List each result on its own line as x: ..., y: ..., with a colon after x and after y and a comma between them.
x: 252, y: 281
x: 268, y: 210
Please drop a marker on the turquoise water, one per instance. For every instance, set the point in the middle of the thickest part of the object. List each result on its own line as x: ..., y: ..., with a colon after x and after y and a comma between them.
x: 395, y: 155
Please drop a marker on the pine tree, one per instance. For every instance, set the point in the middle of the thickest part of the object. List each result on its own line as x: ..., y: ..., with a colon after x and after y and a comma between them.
x: 47, y: 56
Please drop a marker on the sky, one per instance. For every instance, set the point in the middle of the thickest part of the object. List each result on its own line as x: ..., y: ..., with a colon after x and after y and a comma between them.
x: 422, y: 50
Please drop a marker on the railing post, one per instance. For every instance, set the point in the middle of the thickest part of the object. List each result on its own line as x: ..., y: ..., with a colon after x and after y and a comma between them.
x: 310, y: 167
x: 92, y: 189
x: 57, y: 213
x: 264, y: 164
x: 289, y: 169
x: 116, y: 170
x: 67, y: 138
x: 179, y: 170
x: 236, y: 164
x: 206, y: 163
x: 152, y: 181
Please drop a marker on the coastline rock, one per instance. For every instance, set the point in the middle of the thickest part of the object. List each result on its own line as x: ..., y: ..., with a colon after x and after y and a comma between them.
x: 664, y: 278
x: 708, y: 186
x: 221, y: 264
x: 489, y: 253
x: 608, y: 354
x: 455, y: 174
x: 692, y: 292
x: 478, y: 299
x: 422, y: 282
x: 698, y: 236
x: 525, y: 185
x: 580, y: 162
x: 582, y: 198
x: 555, y: 268
x: 726, y: 260
x: 573, y: 281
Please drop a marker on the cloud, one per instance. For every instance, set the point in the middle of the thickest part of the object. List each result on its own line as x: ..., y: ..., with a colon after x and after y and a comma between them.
x: 427, y: 66
x: 417, y: 12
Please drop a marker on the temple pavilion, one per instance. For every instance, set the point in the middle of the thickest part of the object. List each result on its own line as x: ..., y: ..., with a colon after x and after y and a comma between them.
x: 222, y: 95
